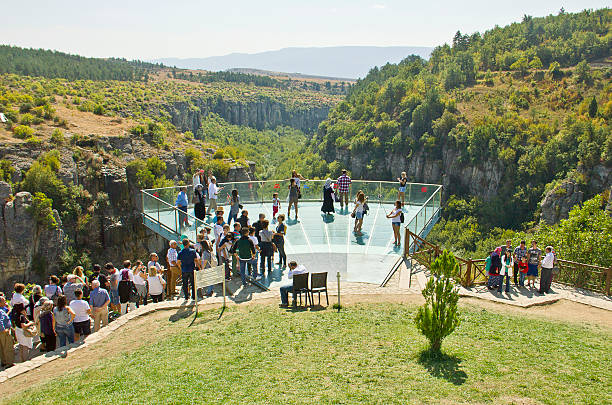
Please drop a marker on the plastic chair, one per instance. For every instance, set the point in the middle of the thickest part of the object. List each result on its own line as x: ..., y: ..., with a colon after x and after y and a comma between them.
x: 300, y: 285
x: 318, y: 284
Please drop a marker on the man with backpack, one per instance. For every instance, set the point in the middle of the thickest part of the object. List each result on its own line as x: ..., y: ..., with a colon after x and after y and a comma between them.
x: 244, y: 250
x: 188, y: 259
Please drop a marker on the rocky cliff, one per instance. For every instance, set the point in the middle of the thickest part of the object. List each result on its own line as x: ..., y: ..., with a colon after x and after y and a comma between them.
x: 113, y: 231
x: 264, y: 114
x: 29, y: 251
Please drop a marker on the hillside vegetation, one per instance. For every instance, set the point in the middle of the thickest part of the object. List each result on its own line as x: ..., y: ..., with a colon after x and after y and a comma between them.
x: 499, y: 118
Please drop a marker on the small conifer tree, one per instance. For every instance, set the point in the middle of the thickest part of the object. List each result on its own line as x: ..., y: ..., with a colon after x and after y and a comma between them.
x: 438, y: 317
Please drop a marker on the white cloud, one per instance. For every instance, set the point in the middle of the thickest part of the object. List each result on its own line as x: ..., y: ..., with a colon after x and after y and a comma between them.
x: 378, y: 6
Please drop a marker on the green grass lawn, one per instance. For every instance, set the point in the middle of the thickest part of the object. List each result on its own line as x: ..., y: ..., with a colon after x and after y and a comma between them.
x: 368, y: 353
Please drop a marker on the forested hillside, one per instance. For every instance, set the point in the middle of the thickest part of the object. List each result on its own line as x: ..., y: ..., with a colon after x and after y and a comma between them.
x: 499, y: 118
x: 52, y: 64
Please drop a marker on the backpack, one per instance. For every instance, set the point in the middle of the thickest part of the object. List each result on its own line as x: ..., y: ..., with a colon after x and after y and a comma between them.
x: 366, y: 208
x: 55, y: 295
x: 402, y: 217
x: 103, y: 282
x: 125, y: 275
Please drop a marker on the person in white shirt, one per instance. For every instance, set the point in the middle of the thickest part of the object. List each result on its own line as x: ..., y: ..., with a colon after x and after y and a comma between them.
x: 173, y: 269
x: 396, y: 222
x: 213, y: 192
x: 218, y: 231
x: 547, y: 271
x: 284, y: 290
x: 253, y: 263
x: 82, y: 310
x: 156, y: 284
x: 140, y: 281
x: 18, y: 297
x: 506, y: 270
x: 154, y: 261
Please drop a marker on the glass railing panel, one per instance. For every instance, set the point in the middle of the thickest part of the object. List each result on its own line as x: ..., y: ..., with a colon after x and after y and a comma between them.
x: 389, y: 191
x: 370, y: 188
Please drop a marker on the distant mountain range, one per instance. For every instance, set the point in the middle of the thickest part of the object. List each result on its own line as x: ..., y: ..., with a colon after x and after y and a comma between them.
x: 338, y: 61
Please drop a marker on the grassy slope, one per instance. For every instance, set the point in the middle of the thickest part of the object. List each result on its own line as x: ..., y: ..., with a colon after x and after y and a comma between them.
x: 368, y: 353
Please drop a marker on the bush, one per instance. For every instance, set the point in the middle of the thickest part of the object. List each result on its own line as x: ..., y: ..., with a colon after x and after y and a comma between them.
x: 57, y: 137
x: 438, y: 318
x: 33, y: 141
x: 99, y: 110
x: 42, y: 212
x: 23, y: 131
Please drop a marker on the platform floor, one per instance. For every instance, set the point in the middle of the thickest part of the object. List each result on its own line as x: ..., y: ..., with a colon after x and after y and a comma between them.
x: 327, y: 242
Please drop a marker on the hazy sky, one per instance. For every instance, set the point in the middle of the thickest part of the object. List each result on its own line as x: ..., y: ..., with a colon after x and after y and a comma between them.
x: 138, y: 29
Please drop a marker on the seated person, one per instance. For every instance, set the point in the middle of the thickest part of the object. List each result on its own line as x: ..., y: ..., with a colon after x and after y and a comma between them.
x: 284, y: 290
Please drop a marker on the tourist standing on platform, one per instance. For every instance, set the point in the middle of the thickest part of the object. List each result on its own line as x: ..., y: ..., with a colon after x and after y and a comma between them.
x: 522, y: 268
x: 397, y: 217
x: 547, y: 268
x: 199, y: 202
x: 82, y: 322
x: 34, y: 297
x: 255, y: 241
x: 126, y: 285
x: 519, y: 252
x: 226, y: 241
x: 140, y: 282
x: 244, y: 220
x: 328, y: 197
x: 99, y: 301
x: 533, y: 263
x: 188, y: 259
x: 234, y: 207
x: 358, y: 212
x: 64, y: 316
x: 21, y: 322
x: 71, y: 286
x: 506, y: 270
x: 7, y: 351
x: 156, y: 284
x: 182, y: 202
x: 114, y: 278
x: 344, y: 183
x: 294, y: 192
x: 53, y: 290
x: 213, y: 193
x: 173, y: 269
x: 401, y: 191
x: 266, y: 246
x: 494, y: 270
x: 258, y: 225
x: 218, y: 233
x: 154, y: 261
x: 297, y: 177
x: 279, y: 241
x: 47, y: 326
x: 244, y: 251
x: 276, y: 205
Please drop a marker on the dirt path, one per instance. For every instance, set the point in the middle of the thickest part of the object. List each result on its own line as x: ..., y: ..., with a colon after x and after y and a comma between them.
x: 150, y: 328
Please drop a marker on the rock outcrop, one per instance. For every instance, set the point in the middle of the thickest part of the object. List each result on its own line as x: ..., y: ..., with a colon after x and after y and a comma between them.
x: 264, y: 114
x: 558, y: 202
x: 29, y: 251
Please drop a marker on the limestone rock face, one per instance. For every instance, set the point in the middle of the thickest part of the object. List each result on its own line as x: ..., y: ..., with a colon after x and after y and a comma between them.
x: 29, y: 251
x: 558, y: 202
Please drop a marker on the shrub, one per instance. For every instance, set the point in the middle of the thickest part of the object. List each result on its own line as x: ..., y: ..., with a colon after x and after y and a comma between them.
x: 42, y: 212
x: 23, y: 131
x: 33, y: 141
x: 6, y: 170
x: 26, y: 119
x: 438, y: 318
x: 41, y: 178
x: 57, y: 137
x: 99, y: 110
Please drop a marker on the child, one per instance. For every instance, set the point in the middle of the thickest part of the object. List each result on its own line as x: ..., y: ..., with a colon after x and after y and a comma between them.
x: 275, y: 205
x: 522, y: 265
x: 244, y: 220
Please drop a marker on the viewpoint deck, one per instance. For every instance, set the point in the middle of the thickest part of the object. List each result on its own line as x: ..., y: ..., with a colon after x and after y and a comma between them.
x: 320, y: 242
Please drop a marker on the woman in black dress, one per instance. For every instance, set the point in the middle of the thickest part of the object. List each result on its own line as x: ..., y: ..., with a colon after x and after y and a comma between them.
x: 328, y: 199
x: 199, y: 200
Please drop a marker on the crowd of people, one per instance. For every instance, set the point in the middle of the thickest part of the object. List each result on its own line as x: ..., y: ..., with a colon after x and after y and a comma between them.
x: 520, y: 264
x: 68, y: 308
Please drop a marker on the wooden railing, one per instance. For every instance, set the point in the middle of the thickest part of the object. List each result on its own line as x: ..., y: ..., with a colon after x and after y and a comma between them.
x: 472, y: 271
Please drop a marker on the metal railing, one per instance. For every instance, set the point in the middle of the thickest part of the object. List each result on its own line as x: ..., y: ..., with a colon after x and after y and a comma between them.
x: 159, y: 204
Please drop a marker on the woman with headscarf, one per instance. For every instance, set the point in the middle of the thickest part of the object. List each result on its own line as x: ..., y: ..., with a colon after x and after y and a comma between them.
x: 328, y: 197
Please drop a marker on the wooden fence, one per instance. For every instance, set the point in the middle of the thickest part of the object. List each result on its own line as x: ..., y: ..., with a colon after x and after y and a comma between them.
x: 472, y: 271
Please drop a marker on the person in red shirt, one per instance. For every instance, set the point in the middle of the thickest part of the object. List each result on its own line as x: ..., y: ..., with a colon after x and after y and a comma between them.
x: 522, y: 267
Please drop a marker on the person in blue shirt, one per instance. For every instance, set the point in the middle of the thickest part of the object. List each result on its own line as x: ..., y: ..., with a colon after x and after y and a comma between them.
x: 188, y: 259
x: 98, y: 301
x: 181, y: 204
x: 7, y: 352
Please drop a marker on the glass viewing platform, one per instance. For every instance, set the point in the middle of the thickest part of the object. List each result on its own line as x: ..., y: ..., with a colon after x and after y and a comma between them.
x: 320, y: 242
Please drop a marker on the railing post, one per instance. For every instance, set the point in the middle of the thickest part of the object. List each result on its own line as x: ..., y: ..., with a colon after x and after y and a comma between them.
x: 608, y: 280
x: 468, y: 274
